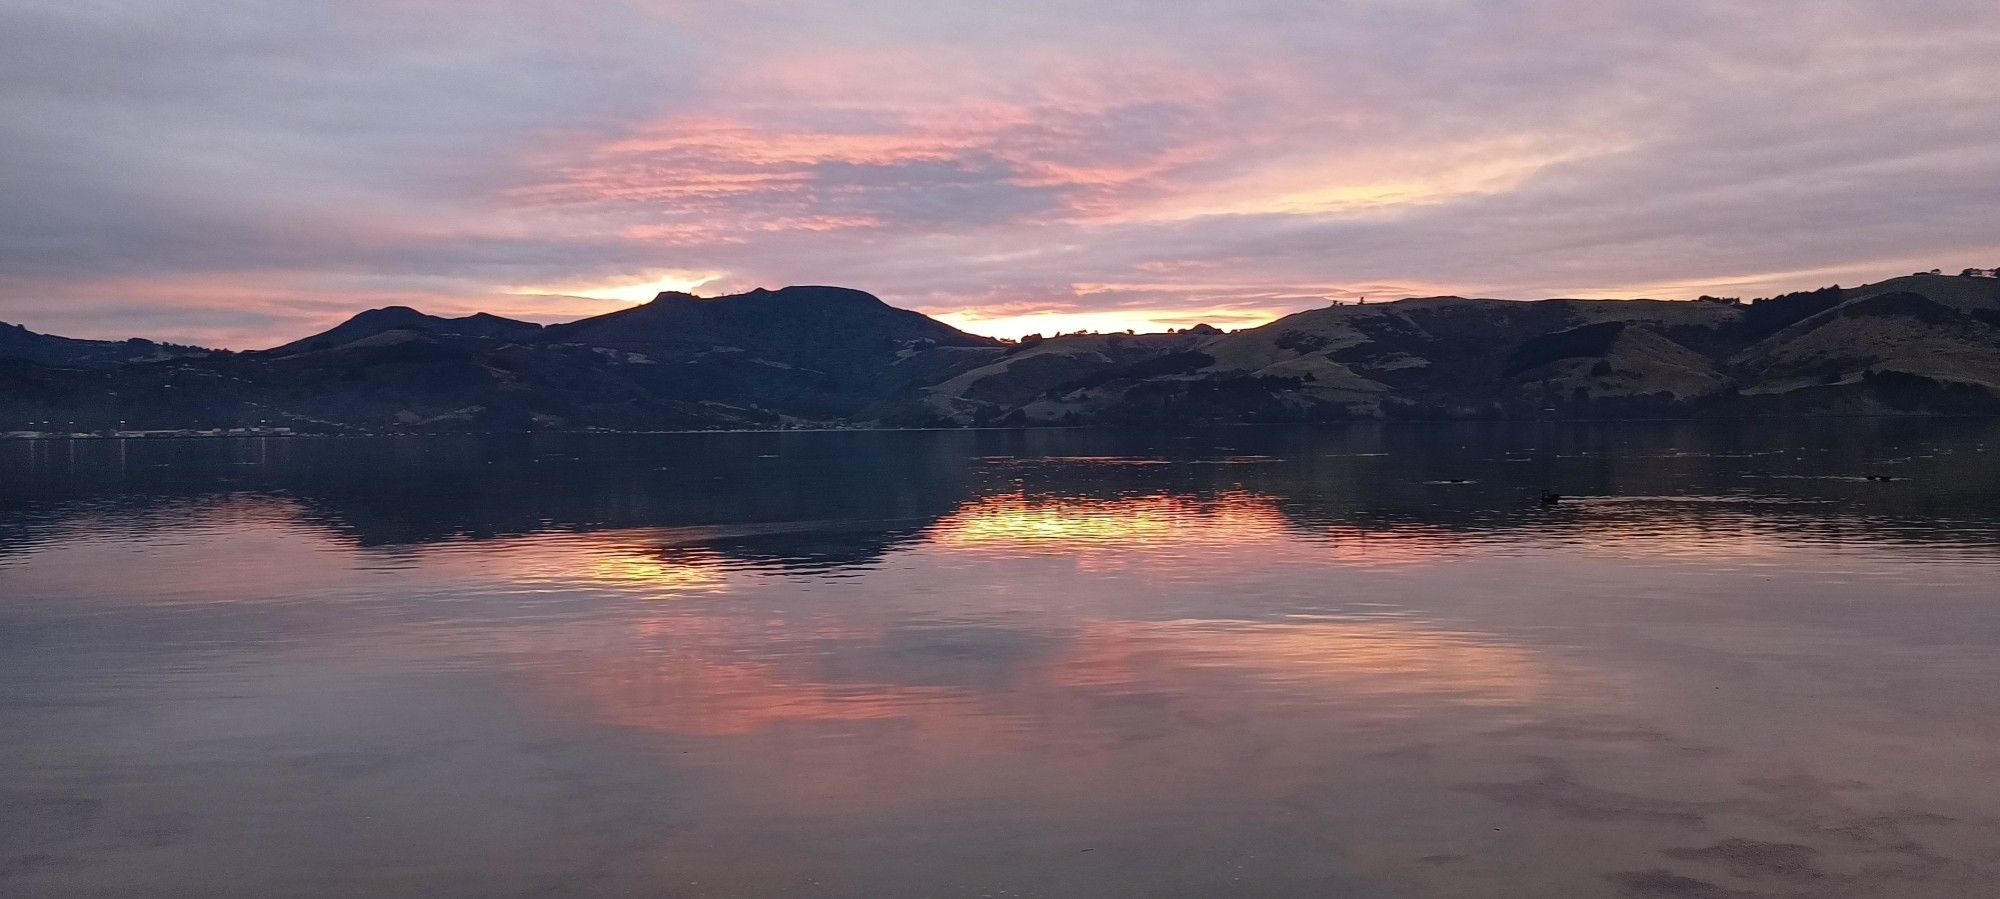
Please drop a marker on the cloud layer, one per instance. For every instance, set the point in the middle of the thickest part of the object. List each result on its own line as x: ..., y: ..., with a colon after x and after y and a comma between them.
x: 239, y: 171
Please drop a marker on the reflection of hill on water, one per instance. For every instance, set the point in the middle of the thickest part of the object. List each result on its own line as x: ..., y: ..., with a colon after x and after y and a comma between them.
x: 821, y: 502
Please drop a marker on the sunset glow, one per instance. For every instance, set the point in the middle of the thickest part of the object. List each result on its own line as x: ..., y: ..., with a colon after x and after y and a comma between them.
x: 632, y: 292
x: 1091, y: 448
x: 986, y: 165
x: 1013, y: 327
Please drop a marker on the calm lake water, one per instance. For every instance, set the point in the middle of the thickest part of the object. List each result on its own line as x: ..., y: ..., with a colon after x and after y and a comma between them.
x: 1355, y: 661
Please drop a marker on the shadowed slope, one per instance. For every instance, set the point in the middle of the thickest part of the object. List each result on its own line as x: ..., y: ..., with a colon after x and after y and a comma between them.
x: 375, y: 322
x: 827, y: 356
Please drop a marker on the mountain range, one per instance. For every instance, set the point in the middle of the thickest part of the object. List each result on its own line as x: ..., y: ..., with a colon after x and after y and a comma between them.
x: 835, y: 357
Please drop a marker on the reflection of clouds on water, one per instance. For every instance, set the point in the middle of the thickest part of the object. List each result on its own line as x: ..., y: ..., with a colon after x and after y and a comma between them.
x: 765, y: 662
x: 1317, y: 662
x: 689, y: 674
x: 809, y: 716
x: 904, y: 666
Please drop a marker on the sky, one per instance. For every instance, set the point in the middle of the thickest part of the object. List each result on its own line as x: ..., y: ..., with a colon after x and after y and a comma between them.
x: 239, y: 173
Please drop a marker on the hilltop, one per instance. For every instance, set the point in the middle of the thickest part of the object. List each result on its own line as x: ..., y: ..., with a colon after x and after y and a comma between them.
x: 1925, y: 343
x: 829, y: 356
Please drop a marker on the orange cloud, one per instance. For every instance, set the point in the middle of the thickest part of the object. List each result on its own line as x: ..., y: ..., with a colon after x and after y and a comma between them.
x: 801, y: 166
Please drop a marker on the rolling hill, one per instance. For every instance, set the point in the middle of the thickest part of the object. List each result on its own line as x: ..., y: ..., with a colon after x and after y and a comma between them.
x: 828, y: 356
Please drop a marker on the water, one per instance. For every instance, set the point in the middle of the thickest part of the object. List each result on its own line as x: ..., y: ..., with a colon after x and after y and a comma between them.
x: 1358, y: 661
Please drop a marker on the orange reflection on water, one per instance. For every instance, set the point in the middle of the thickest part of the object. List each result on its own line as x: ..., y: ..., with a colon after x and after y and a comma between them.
x: 884, y: 690
x: 1231, y: 528
x: 718, y: 698
x: 1020, y: 521
x: 722, y: 673
x: 1323, y: 659
x: 716, y: 675
x: 673, y: 577
x: 747, y: 698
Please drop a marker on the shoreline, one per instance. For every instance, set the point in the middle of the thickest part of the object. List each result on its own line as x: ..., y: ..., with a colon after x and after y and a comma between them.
x: 287, y: 433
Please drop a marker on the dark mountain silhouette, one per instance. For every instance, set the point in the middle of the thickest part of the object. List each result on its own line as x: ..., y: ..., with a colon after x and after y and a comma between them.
x: 393, y: 319
x: 815, y: 352
x: 811, y: 324
x: 19, y: 343
x: 827, y: 356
